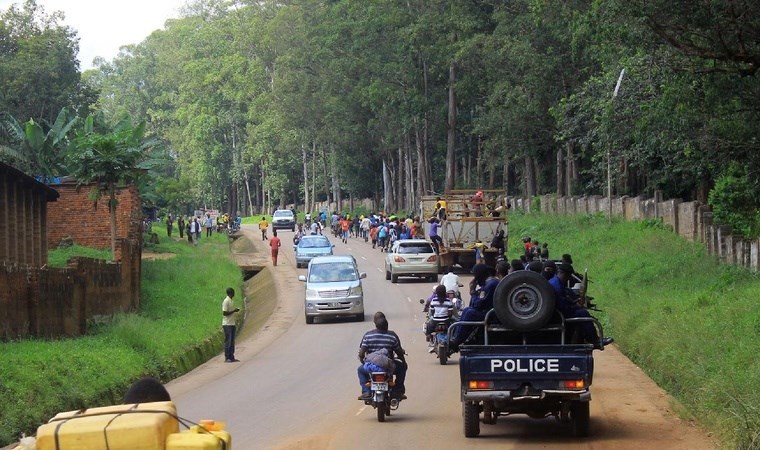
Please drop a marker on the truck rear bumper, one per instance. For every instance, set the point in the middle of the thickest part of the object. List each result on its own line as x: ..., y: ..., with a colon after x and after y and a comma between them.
x: 479, y: 396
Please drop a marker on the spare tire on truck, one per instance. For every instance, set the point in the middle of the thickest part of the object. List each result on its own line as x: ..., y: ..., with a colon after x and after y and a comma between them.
x: 524, y: 301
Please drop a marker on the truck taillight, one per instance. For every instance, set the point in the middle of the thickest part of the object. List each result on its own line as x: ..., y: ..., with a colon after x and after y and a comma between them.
x: 573, y: 384
x: 480, y: 385
x: 432, y: 258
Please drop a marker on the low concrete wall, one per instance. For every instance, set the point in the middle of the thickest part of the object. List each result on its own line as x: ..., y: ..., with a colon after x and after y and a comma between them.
x: 690, y: 220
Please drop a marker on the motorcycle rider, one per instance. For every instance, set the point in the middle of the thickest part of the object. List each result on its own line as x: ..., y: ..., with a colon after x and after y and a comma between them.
x: 451, y: 281
x: 381, y: 340
x: 441, y: 309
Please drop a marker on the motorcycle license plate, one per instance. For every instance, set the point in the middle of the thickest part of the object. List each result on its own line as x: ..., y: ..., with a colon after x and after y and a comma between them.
x: 380, y: 386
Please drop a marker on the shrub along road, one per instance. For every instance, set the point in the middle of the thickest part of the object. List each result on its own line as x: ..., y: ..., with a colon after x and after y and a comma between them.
x: 296, y: 385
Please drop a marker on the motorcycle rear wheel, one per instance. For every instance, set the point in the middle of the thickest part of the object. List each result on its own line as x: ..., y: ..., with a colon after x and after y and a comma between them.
x: 381, y: 412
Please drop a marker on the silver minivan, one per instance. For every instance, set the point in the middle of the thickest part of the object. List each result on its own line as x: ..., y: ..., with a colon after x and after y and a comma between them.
x: 333, y: 288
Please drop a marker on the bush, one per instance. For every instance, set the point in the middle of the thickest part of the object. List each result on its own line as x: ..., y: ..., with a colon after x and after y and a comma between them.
x: 735, y: 201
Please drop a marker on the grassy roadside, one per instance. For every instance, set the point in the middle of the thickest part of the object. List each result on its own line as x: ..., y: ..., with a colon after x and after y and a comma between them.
x: 691, y: 323
x: 177, y: 328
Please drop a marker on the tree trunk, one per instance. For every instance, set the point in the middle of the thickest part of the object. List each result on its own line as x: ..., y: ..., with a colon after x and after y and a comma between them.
x: 570, y: 170
x: 411, y: 197
x: 248, y: 191
x: 305, y: 179
x: 386, y: 188
x: 505, y: 176
x: 327, y: 178
x: 422, y: 187
x: 112, y: 211
x: 451, y: 128
x: 530, y: 177
x: 312, y: 206
x: 337, y: 194
x: 478, y: 168
x: 560, y: 174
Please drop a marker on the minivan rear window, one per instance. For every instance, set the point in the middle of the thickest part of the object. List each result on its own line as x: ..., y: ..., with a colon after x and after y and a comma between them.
x: 415, y: 248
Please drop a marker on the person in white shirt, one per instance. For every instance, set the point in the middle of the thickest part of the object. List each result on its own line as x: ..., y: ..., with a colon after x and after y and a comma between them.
x: 365, y: 226
x: 451, y: 281
x: 228, y: 325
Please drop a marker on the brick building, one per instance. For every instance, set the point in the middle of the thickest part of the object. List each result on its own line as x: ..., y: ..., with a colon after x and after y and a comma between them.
x: 89, y: 223
x: 23, y: 217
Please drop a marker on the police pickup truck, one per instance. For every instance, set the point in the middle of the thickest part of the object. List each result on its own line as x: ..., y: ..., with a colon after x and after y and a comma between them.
x: 526, y: 358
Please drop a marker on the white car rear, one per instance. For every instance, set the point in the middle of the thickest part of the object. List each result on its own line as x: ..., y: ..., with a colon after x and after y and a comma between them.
x: 411, y: 258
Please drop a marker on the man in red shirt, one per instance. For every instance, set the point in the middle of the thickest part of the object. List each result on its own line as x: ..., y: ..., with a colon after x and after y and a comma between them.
x: 275, y: 244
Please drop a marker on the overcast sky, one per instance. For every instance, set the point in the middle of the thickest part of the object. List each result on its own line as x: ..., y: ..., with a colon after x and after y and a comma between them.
x: 105, y: 25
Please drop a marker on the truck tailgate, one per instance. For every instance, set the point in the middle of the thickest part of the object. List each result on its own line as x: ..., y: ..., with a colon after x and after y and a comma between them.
x: 509, y: 367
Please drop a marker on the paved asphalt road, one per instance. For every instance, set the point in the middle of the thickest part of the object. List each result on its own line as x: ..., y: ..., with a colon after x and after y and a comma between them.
x: 296, y: 385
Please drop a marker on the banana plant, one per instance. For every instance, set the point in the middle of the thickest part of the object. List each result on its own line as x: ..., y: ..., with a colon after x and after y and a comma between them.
x: 109, y: 156
x: 37, y: 152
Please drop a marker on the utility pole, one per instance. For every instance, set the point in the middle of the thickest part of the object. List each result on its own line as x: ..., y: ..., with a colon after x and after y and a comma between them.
x: 609, y: 164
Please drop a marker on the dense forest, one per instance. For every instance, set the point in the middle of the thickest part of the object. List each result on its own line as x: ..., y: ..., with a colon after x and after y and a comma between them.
x: 262, y: 103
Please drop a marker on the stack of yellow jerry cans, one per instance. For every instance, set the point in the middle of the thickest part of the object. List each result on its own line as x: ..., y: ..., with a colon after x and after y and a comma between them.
x: 143, y: 426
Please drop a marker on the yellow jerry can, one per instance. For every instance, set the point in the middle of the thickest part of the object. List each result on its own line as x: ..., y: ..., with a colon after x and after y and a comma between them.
x: 211, y: 436
x: 143, y: 426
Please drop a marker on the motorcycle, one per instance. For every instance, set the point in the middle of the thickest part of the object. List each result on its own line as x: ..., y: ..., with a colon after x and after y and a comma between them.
x: 440, y: 336
x: 380, y: 385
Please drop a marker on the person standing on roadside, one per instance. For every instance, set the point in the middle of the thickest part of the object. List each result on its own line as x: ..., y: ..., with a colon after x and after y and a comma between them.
x: 228, y: 325
x: 209, y: 224
x: 263, y: 225
x: 275, y: 244
x: 181, y: 226
x: 195, y: 230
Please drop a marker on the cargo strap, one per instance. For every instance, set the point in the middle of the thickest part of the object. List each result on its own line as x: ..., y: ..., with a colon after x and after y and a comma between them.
x: 81, y: 413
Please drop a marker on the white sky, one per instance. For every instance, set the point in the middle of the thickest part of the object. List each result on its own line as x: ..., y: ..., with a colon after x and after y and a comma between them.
x: 105, y: 25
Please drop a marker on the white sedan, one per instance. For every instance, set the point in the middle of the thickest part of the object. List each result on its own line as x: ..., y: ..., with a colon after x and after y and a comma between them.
x: 411, y: 258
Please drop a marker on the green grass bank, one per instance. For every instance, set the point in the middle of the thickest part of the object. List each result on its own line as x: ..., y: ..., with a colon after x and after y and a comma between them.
x: 691, y: 323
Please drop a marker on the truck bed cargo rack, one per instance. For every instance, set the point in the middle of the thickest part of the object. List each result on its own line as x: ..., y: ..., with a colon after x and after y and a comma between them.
x: 489, y: 326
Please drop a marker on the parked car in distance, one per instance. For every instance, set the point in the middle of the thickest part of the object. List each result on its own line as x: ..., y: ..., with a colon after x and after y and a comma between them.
x: 310, y: 246
x: 333, y: 288
x: 411, y: 258
x: 283, y: 219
